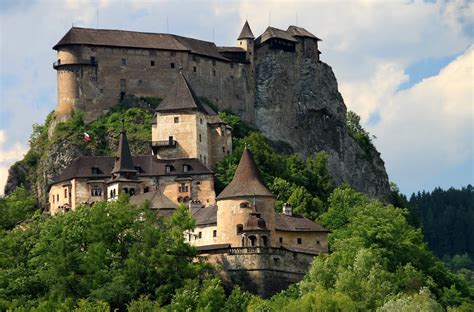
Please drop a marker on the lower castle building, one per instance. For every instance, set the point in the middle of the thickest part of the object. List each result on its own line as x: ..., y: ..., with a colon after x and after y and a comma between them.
x: 239, y: 230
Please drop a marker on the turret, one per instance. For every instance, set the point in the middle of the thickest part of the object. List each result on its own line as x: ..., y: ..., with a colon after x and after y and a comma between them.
x: 246, y: 213
x: 246, y: 41
x: 124, y: 175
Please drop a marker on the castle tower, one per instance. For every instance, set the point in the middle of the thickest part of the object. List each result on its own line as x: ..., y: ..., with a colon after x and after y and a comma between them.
x: 245, y: 208
x: 124, y: 178
x: 187, y: 128
x: 74, y: 68
x: 246, y: 41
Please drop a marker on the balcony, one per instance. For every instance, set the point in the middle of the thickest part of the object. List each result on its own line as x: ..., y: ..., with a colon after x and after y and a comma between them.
x: 156, y: 145
x: 91, y: 62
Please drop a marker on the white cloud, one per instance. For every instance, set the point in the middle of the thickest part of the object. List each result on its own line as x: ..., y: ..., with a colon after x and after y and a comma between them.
x: 8, y: 155
x: 428, y: 129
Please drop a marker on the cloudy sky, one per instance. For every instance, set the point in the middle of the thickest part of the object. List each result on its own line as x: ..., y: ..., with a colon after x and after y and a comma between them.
x: 406, y: 67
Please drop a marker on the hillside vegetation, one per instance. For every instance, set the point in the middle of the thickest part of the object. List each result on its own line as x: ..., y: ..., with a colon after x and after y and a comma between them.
x: 117, y: 256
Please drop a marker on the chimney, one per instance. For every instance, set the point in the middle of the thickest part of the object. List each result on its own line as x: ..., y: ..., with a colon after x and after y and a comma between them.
x: 287, y: 209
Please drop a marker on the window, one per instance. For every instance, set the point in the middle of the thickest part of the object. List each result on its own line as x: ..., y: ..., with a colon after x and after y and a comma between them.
x: 317, y: 242
x: 57, y: 197
x: 168, y: 168
x: 176, y: 119
x: 244, y: 205
x: 205, y: 160
x: 187, y: 167
x: 139, y: 169
x: 152, y: 63
x: 124, y: 62
x: 239, y: 229
x: 214, y: 62
x: 200, y: 138
x: 53, y: 199
x: 281, y: 240
x: 123, y: 83
x: 194, y: 69
x: 125, y: 189
x: 172, y: 65
x: 140, y: 82
x: 299, y: 241
x: 132, y: 191
x: 223, y: 149
x: 96, y: 191
x: 264, y: 241
x: 214, y: 233
x: 183, y: 188
x: 194, y: 58
x: 172, y: 53
x: 231, y: 65
x: 65, y: 193
x: 95, y: 170
x: 200, y: 121
x: 240, y: 42
x: 200, y: 235
x: 146, y: 189
x: 101, y: 91
x: 214, y: 72
x: 93, y: 60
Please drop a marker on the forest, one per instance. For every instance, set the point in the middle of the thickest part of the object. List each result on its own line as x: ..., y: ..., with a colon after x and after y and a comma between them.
x: 113, y: 255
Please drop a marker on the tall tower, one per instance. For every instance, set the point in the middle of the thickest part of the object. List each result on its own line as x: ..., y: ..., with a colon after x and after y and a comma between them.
x: 245, y: 208
x: 246, y: 41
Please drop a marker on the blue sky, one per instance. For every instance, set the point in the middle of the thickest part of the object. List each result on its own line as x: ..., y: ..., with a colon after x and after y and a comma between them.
x: 404, y: 66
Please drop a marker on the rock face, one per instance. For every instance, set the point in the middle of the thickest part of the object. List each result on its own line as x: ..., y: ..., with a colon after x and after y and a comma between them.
x: 298, y: 104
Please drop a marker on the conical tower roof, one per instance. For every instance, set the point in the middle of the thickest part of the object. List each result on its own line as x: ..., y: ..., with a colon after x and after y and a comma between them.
x: 246, y: 32
x: 182, y: 97
x: 247, y: 181
x: 123, y: 158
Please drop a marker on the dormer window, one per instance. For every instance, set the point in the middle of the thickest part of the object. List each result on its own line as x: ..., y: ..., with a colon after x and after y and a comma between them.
x: 139, y: 169
x: 95, y: 170
x: 169, y: 168
x: 187, y: 167
x: 244, y: 205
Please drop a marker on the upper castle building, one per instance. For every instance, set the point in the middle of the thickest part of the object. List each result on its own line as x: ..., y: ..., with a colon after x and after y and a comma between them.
x: 98, y: 67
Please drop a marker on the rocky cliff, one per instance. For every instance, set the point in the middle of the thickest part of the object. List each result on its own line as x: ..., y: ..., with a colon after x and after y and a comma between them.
x: 298, y: 104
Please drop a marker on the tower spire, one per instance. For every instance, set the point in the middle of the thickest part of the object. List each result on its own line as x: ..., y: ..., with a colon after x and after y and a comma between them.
x: 123, y: 159
x: 246, y: 32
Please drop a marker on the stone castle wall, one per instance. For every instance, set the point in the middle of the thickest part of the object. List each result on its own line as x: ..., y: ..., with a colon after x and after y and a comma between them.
x: 264, y: 271
x: 93, y: 78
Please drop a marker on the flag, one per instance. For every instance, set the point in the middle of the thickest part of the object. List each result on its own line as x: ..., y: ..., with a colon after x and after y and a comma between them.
x: 87, y: 137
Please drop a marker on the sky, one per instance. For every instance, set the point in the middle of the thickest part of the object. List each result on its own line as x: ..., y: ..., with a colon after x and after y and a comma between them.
x: 406, y: 67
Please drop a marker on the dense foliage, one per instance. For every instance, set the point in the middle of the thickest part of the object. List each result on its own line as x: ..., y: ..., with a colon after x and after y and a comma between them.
x: 305, y: 183
x: 110, y: 252
x: 16, y: 208
x: 447, y: 219
x: 377, y: 262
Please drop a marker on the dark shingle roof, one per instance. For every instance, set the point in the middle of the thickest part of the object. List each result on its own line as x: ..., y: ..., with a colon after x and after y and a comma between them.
x: 157, y: 201
x: 206, y: 215
x: 300, y: 32
x: 182, y: 97
x: 149, y: 166
x: 247, y: 180
x: 272, y: 32
x: 134, y: 39
x: 296, y: 223
x: 231, y: 49
x: 123, y: 158
x: 246, y: 32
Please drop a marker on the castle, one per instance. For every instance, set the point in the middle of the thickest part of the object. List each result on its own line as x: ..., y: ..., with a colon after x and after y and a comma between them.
x: 97, y: 67
x: 239, y: 230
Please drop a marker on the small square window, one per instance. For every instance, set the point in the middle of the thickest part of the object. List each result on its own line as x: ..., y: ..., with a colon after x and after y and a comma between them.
x: 124, y: 62
x: 152, y: 63
x: 176, y: 119
x: 172, y: 65
x: 140, y: 82
x: 299, y: 241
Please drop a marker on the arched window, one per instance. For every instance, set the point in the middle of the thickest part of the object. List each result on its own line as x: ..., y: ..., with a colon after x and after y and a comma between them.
x: 125, y: 190
x: 132, y: 191
x: 253, y: 240
x: 186, y: 199
x: 180, y: 199
x: 264, y: 241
